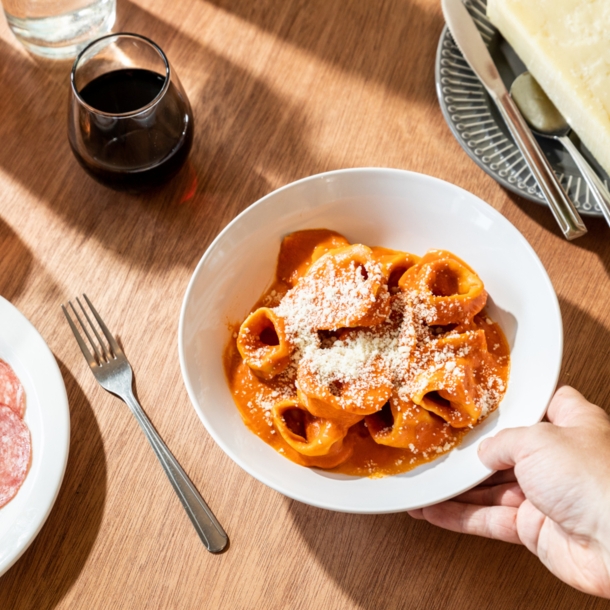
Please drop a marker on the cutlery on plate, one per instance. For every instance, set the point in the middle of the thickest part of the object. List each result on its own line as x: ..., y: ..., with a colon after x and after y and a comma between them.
x: 114, y: 373
x: 467, y: 37
x: 546, y: 121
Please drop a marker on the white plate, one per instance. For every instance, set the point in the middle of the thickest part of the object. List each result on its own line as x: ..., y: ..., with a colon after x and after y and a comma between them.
x: 385, y: 207
x: 48, y: 418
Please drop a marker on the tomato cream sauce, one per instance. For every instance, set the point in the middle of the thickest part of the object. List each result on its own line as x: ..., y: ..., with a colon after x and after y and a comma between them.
x: 366, y: 361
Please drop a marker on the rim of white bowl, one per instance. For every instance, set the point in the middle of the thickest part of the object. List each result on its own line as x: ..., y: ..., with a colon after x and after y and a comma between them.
x: 325, y: 175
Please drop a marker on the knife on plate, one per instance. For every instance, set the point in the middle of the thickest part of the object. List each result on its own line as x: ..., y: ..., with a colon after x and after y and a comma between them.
x: 469, y: 41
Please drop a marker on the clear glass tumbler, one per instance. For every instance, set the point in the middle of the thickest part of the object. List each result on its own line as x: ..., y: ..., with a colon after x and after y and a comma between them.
x: 130, y: 124
x: 59, y: 28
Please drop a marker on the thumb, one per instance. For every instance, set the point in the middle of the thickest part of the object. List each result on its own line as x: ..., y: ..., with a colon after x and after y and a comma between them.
x: 512, y: 445
x: 570, y: 408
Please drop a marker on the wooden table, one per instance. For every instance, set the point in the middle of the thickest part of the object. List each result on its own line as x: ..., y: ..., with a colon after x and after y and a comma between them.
x: 280, y: 90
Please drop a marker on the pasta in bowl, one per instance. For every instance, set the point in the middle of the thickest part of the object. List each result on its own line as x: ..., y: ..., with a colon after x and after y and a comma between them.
x: 405, y: 215
x: 367, y: 361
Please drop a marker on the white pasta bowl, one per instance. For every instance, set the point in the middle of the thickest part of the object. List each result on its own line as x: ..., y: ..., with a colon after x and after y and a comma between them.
x: 385, y: 207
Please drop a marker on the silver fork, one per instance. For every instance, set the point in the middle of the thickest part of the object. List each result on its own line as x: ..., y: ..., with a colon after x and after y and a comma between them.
x: 114, y: 373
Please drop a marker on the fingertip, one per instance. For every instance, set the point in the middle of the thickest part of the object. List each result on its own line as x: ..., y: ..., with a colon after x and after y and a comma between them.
x: 567, y: 391
x: 484, y: 443
x: 418, y: 513
x: 491, y: 521
x: 500, y: 452
x: 569, y: 407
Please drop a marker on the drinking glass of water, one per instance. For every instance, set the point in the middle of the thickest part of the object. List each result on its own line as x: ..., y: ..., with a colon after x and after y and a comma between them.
x: 59, y: 28
x: 130, y: 124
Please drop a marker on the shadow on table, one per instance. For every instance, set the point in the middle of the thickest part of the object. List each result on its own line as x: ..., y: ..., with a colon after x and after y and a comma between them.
x: 393, y: 561
x: 597, y: 239
x: 372, y: 40
x: 243, y: 130
x: 586, y: 360
x: 46, y: 571
x: 440, y: 569
x: 16, y: 263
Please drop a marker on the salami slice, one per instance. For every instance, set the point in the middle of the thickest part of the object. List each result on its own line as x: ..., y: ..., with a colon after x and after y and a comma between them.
x: 15, y: 453
x: 11, y: 391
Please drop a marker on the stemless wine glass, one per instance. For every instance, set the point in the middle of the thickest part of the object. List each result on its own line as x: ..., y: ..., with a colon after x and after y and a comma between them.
x: 130, y: 123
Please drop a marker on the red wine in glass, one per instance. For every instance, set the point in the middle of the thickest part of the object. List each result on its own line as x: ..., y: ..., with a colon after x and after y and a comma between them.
x: 130, y: 123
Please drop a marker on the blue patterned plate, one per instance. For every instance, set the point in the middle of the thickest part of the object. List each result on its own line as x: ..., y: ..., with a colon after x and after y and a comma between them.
x: 478, y: 127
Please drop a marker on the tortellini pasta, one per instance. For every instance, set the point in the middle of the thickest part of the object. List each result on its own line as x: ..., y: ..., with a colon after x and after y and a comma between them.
x: 366, y: 360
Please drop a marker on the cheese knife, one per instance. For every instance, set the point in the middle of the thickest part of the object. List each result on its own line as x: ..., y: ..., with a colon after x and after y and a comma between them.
x: 469, y: 41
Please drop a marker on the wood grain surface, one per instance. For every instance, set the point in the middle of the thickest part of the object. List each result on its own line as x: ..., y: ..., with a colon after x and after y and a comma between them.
x: 281, y: 89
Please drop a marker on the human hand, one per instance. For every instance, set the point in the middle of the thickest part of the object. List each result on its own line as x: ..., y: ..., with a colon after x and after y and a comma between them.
x: 552, y: 493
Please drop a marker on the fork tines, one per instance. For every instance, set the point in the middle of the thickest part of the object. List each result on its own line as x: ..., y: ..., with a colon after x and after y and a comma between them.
x: 102, y: 351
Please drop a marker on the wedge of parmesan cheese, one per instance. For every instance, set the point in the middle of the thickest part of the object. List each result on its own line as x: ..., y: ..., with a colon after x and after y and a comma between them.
x: 565, y: 44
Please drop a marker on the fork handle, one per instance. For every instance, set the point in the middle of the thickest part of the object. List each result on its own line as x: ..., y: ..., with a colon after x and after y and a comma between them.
x: 210, y: 531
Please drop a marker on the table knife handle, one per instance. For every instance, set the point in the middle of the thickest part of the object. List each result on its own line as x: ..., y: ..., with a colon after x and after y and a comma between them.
x: 563, y: 209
